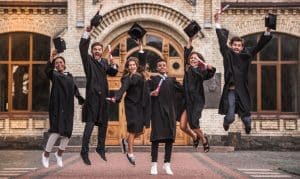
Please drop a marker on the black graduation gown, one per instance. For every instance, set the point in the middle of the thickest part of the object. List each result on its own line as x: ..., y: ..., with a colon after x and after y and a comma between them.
x: 236, y: 72
x: 194, y: 91
x: 61, y: 105
x: 133, y: 85
x: 95, y: 107
x: 163, y: 107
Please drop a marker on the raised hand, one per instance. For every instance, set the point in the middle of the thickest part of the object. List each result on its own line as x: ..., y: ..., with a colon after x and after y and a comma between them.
x: 53, y: 54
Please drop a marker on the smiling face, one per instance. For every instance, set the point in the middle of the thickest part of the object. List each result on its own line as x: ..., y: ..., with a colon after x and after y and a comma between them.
x: 59, y: 65
x: 161, y: 67
x: 237, y: 46
x: 194, y: 60
x: 97, y: 52
x: 132, y: 67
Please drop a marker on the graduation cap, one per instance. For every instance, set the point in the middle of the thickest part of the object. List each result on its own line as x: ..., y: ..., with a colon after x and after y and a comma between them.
x: 96, y: 20
x: 192, y: 29
x: 136, y: 31
x: 270, y: 21
x: 59, y: 44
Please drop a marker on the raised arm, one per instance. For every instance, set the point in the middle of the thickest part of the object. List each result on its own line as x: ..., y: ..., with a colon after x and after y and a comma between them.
x: 125, y: 82
x: 84, y: 47
x: 263, y: 41
x: 222, y: 35
x: 50, y: 66
x: 187, y: 51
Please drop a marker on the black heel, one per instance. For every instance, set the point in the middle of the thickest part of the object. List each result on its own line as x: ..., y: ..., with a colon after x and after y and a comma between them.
x: 206, y: 146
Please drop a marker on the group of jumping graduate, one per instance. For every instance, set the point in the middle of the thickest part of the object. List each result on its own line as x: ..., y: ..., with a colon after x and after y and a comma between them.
x: 149, y: 99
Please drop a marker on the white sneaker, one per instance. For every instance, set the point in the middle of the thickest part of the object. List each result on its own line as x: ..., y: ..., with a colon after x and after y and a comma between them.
x: 59, y: 160
x: 167, y: 168
x: 45, y: 161
x: 153, y: 168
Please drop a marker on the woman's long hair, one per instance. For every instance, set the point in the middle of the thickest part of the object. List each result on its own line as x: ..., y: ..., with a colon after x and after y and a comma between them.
x: 188, y: 59
x: 138, y: 70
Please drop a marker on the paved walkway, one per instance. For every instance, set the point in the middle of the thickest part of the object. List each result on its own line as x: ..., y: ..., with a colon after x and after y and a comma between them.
x: 184, y: 165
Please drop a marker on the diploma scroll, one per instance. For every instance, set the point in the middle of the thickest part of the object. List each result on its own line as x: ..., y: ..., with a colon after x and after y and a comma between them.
x: 159, y: 85
x: 224, y: 8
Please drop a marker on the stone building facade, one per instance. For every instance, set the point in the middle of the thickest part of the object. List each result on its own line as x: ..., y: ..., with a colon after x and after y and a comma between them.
x: 28, y: 27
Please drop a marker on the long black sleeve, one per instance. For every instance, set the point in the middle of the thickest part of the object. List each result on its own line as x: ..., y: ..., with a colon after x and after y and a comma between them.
x: 263, y: 41
x: 187, y: 52
x: 222, y: 35
x: 85, y: 57
x: 124, y: 86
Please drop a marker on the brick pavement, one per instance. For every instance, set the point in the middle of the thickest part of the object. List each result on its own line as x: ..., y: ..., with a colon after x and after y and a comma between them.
x: 191, y: 165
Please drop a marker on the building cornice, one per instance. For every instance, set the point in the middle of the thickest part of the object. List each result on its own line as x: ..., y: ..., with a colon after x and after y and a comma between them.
x: 34, y: 8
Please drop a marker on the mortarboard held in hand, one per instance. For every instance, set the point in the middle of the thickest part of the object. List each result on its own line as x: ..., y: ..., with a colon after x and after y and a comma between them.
x: 59, y: 44
x: 192, y: 29
x: 270, y: 21
x: 137, y: 32
x: 96, y: 20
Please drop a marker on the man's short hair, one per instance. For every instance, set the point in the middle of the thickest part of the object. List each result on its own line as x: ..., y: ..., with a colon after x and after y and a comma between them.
x: 160, y: 60
x: 236, y: 39
x: 97, y: 44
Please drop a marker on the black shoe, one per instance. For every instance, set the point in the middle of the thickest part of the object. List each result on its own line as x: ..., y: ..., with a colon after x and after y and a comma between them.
x: 206, y: 146
x: 85, y: 158
x: 247, y: 129
x: 102, y: 154
x: 225, y: 126
x: 131, y: 159
x: 196, y: 142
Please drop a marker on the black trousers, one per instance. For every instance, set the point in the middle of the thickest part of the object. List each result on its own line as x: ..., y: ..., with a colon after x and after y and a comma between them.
x: 88, y: 129
x: 168, y: 150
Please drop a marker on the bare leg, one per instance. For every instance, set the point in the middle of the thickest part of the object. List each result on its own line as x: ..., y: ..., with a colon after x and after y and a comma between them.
x: 200, y: 134
x: 130, y: 141
x: 184, y: 127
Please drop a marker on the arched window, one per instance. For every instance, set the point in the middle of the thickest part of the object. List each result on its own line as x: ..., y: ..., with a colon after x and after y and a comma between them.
x: 24, y: 85
x: 274, y: 77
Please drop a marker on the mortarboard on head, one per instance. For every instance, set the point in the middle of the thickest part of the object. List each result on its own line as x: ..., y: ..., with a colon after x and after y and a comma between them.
x: 96, y: 20
x: 59, y: 44
x: 192, y: 29
x: 136, y: 31
x: 270, y: 21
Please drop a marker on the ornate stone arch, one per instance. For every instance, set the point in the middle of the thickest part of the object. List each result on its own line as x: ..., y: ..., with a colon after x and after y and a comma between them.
x: 149, y: 15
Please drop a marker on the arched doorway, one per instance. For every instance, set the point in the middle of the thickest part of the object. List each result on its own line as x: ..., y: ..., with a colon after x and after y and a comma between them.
x: 156, y: 45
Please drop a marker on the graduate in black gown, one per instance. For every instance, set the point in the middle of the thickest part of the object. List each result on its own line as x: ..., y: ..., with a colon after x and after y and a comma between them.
x: 236, y: 61
x: 163, y: 114
x: 196, y: 72
x: 61, y: 107
x: 94, y: 111
x: 133, y: 83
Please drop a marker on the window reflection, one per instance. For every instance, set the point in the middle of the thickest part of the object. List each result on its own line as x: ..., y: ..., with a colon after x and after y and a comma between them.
x: 4, y: 47
x: 268, y: 87
x: 20, y: 46
x: 20, y: 87
x: 289, y: 87
x: 172, y: 51
x: 130, y: 44
x: 41, y: 46
x: 116, y: 51
x: 151, y: 59
x: 3, y: 88
x: 154, y: 41
x: 40, y: 88
x: 289, y: 48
